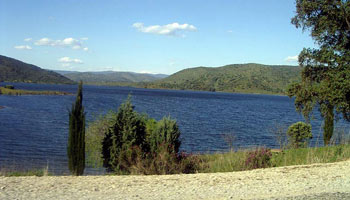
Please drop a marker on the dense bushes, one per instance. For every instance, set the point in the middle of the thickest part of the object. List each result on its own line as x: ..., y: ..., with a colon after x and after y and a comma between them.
x: 127, y: 142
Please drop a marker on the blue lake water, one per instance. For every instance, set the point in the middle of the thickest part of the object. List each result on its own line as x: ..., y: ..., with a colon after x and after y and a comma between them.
x: 34, y: 129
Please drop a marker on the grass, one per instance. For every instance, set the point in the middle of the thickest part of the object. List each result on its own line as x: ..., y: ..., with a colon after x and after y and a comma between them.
x: 235, y: 161
x: 6, y: 91
x: 11, y: 172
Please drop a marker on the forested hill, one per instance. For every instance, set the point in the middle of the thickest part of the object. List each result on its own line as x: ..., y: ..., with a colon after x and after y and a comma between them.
x: 110, y: 77
x: 12, y: 70
x: 240, y: 78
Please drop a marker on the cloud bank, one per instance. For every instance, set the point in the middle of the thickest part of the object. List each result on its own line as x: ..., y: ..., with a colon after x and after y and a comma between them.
x: 168, y: 29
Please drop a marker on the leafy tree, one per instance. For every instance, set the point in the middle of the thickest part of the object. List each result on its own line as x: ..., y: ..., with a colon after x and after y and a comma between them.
x: 325, y: 71
x: 299, y: 133
x: 76, y: 138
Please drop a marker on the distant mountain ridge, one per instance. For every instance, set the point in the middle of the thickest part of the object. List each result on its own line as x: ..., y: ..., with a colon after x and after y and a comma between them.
x: 12, y: 70
x: 109, y: 77
x: 239, y: 78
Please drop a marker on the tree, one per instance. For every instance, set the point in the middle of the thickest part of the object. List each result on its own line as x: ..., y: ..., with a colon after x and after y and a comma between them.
x: 325, y: 74
x: 76, y: 138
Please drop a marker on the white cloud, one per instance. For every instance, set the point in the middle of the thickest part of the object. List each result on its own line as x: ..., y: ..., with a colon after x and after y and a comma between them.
x: 292, y: 58
x: 23, y: 47
x: 67, y: 42
x: 44, y: 42
x: 168, y: 29
x: 67, y: 60
x: 86, y: 49
x: 84, y: 38
x: 28, y: 39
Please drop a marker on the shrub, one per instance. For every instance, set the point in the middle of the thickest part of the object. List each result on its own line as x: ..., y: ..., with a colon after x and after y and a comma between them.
x: 164, y: 132
x: 94, y: 137
x: 161, y: 162
x: 76, y: 138
x: 127, y: 132
x: 299, y: 134
x: 135, y: 143
x: 260, y: 158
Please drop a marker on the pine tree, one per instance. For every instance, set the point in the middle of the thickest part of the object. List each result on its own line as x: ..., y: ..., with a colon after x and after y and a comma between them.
x: 76, y: 138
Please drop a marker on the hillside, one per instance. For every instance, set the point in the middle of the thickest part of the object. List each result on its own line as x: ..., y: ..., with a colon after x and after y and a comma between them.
x: 110, y: 77
x: 240, y: 78
x: 12, y: 70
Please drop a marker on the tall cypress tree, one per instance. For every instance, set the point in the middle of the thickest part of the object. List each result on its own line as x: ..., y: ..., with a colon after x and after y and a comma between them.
x: 76, y: 138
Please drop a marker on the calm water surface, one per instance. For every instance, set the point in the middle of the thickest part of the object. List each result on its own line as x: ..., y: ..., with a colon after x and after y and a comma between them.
x: 34, y: 129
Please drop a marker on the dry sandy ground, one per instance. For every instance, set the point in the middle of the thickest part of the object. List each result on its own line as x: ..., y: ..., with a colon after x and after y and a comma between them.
x: 318, y: 181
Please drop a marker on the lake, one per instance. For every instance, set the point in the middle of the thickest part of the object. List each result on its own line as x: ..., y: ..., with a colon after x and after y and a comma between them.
x: 34, y: 129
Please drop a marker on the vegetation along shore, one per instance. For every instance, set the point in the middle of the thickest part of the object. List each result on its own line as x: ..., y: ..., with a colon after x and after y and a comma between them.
x: 10, y: 90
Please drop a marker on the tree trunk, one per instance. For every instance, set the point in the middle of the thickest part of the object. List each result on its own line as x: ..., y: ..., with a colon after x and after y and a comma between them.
x: 328, y: 125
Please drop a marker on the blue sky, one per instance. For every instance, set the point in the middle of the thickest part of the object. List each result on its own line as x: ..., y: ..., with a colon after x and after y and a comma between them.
x: 156, y: 36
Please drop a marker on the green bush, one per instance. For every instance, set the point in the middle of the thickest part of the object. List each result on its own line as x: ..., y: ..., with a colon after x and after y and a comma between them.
x: 299, y: 134
x: 136, y: 144
x: 128, y: 131
x: 164, y: 132
x: 94, y: 137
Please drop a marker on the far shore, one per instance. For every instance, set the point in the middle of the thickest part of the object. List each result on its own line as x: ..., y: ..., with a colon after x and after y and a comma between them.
x: 6, y: 91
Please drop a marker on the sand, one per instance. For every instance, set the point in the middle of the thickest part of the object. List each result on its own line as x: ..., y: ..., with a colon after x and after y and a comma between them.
x: 317, y: 181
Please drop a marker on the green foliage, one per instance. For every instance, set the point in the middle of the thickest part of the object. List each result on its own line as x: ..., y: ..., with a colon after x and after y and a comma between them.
x: 164, y: 132
x: 6, y: 91
x: 299, y: 133
x: 325, y: 73
x: 94, y: 137
x: 236, y: 161
x: 245, y: 78
x: 132, y: 143
x: 260, y: 158
x: 76, y: 138
x: 12, y: 70
x: 127, y: 132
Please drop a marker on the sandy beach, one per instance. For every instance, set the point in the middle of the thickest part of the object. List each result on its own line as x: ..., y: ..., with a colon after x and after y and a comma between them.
x: 317, y: 181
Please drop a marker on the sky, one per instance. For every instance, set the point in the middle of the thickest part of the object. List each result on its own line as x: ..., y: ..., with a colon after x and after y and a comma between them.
x: 149, y: 36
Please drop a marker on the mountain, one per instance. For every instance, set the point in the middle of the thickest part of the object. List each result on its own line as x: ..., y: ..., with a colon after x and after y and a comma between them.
x: 110, y: 77
x: 12, y: 70
x: 239, y: 78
